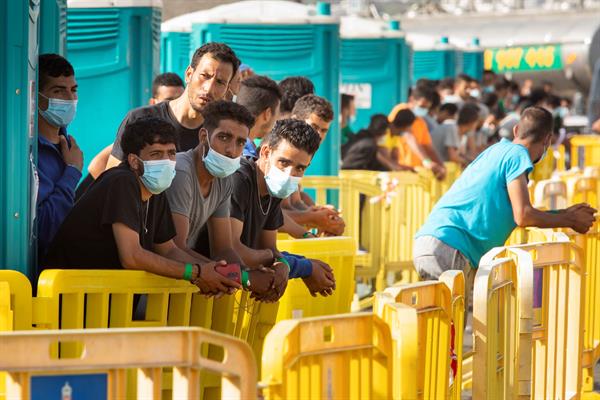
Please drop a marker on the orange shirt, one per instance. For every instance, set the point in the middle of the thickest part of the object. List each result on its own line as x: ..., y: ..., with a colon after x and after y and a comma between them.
x: 420, y: 132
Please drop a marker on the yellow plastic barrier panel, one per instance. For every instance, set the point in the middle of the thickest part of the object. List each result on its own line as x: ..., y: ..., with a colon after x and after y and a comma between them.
x: 593, y: 172
x: 554, y: 310
x: 339, y: 253
x: 496, y: 331
x: 543, y: 170
x: 426, y: 321
x: 105, y: 299
x: 20, y: 301
x: 107, y: 355
x: 583, y: 189
x: 6, y: 313
x: 410, y: 206
x: 453, y: 171
x: 585, y: 151
x: 363, y: 203
x: 337, y: 357
x: 550, y: 194
x: 321, y: 185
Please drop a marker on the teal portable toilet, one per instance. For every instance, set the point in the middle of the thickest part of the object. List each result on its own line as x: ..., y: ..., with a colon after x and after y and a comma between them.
x: 174, y: 52
x: 281, y: 39
x: 114, y: 47
x: 18, y: 103
x: 374, y: 64
x: 435, y: 60
x: 175, y: 48
x: 473, y: 60
x: 53, y: 27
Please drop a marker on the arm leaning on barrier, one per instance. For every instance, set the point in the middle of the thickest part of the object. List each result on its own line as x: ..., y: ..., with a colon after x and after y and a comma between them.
x: 579, y: 217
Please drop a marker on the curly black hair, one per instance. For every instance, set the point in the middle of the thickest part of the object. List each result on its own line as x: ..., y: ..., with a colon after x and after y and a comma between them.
x: 217, y: 111
x: 292, y: 89
x: 311, y: 104
x: 219, y: 51
x: 298, y: 133
x: 147, y: 131
x: 53, y: 65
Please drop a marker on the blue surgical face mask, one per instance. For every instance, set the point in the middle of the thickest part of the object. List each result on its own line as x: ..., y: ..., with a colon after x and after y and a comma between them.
x: 515, y: 99
x: 352, y: 119
x: 562, y: 112
x: 59, y: 113
x: 475, y: 93
x: 489, y: 89
x: 218, y: 165
x: 257, y: 141
x: 158, y: 175
x: 420, y: 111
x: 280, y: 183
x: 452, y: 98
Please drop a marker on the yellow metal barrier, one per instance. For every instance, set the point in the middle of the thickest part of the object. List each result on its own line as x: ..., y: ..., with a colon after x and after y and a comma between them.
x: 585, y: 151
x: 26, y: 354
x: 555, y: 308
x: 496, y: 327
x: 550, y: 194
x: 337, y: 357
x: 339, y: 253
x: 421, y: 316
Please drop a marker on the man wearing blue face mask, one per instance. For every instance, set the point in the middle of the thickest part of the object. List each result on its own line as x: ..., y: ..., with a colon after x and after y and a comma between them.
x: 124, y: 220
x: 256, y: 212
x: 59, y: 158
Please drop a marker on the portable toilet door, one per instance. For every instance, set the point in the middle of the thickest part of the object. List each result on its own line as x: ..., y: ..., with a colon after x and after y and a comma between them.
x: 374, y: 65
x: 18, y: 104
x: 438, y: 61
x: 53, y: 27
x: 114, y: 48
x: 281, y: 39
x: 472, y: 60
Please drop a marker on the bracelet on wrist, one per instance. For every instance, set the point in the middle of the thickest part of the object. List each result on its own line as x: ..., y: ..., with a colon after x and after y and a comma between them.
x: 188, y: 272
x: 245, y: 279
x: 284, y: 261
x: 307, y: 234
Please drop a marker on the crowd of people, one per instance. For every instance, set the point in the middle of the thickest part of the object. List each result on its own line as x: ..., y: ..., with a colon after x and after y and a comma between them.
x: 197, y: 184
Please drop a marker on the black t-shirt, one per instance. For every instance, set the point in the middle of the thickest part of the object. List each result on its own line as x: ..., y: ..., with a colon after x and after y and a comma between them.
x: 245, y: 207
x: 187, y: 138
x: 361, y: 153
x: 85, y: 240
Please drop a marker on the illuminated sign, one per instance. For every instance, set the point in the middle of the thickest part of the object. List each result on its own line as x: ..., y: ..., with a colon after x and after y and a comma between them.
x: 524, y: 58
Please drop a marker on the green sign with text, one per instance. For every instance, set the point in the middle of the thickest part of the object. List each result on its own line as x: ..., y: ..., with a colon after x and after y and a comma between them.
x: 523, y: 58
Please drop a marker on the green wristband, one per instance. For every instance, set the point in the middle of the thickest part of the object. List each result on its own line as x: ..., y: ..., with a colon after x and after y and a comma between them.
x: 283, y: 260
x: 245, y: 279
x: 189, y: 270
x: 307, y: 234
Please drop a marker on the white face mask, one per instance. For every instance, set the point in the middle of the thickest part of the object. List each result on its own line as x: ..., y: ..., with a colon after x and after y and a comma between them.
x: 281, y: 184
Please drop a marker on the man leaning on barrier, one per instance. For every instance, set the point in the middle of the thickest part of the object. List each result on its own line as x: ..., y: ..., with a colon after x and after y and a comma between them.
x: 488, y: 201
x: 124, y: 220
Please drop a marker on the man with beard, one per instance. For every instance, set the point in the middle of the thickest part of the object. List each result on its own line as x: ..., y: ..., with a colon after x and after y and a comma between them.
x: 207, y: 78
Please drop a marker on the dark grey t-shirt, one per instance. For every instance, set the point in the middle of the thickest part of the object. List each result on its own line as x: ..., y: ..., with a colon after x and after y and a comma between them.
x: 443, y: 136
x: 185, y: 197
x: 187, y: 138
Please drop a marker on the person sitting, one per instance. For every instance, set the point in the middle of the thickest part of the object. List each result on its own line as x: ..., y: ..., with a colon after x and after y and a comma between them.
x: 361, y: 152
x: 255, y: 215
x: 124, y: 220
x: 60, y: 159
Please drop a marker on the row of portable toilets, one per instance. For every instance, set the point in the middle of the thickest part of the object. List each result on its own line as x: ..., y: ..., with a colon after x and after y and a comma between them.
x: 117, y: 47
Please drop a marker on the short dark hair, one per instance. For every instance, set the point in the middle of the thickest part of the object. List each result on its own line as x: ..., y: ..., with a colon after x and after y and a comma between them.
x: 464, y: 78
x: 165, y: 79
x: 298, y: 133
x: 404, y: 119
x: 426, y: 83
x: 536, y: 123
x: 53, y: 66
x: 538, y: 95
x: 218, y: 51
x: 292, y: 89
x: 217, y: 111
x: 449, y: 108
x: 425, y: 92
x: 257, y: 93
x: 468, y: 114
x: 144, y: 132
x: 312, y: 104
x: 490, y: 99
x: 446, y: 83
x: 378, y: 125
x: 346, y: 99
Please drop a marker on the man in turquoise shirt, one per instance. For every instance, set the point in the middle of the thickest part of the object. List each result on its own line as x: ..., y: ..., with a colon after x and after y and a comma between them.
x: 488, y: 201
